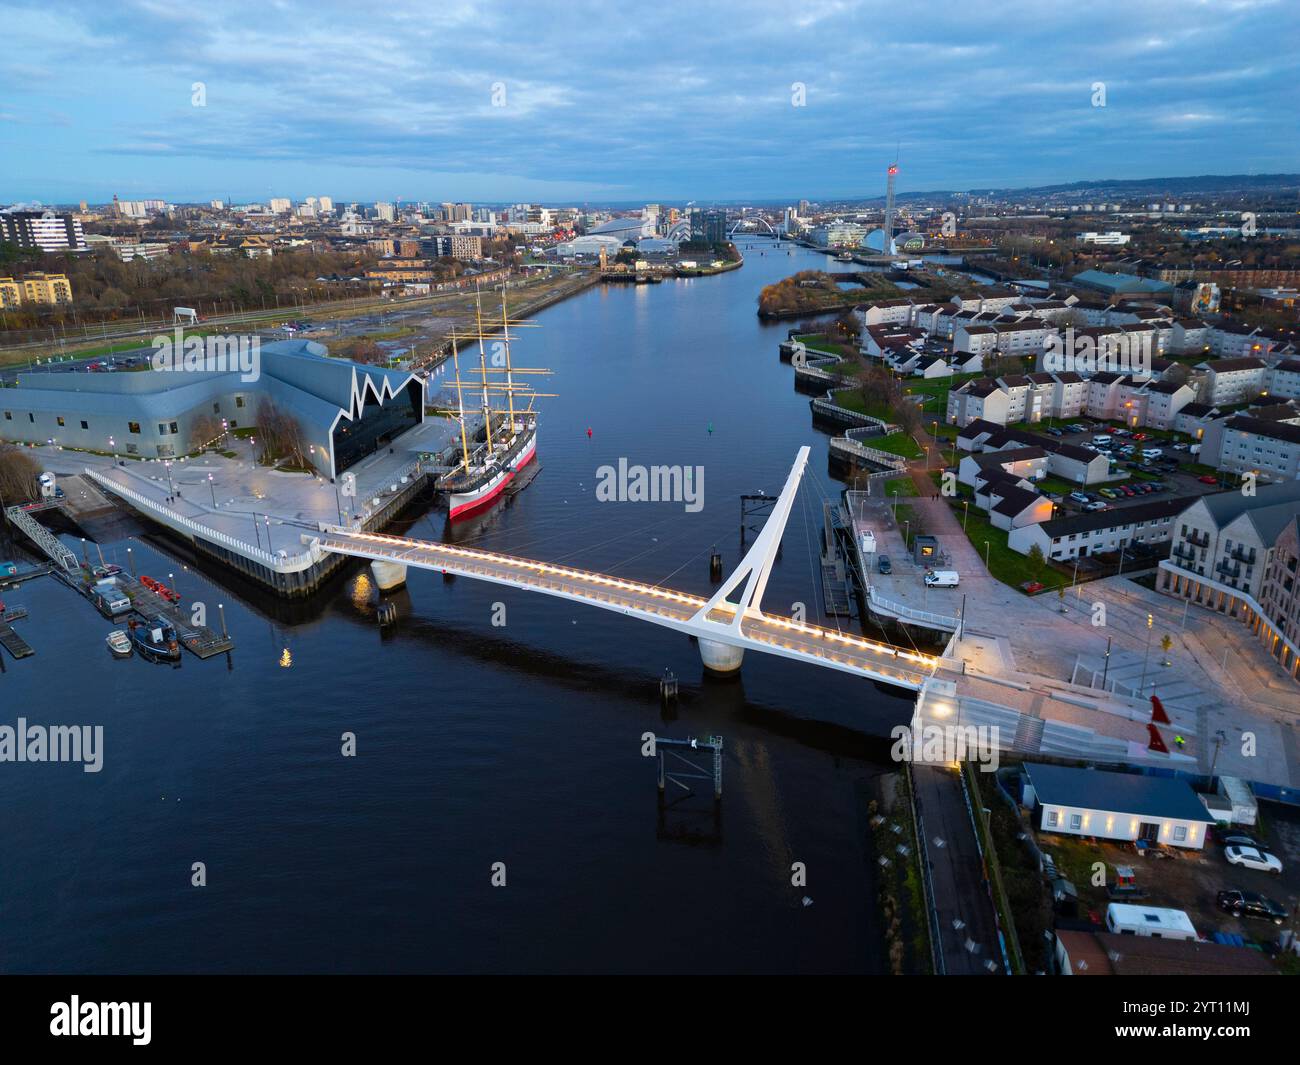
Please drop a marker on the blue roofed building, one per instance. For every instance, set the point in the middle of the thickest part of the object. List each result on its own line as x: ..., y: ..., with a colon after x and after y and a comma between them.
x: 344, y: 410
x: 1117, y: 806
x: 1115, y: 284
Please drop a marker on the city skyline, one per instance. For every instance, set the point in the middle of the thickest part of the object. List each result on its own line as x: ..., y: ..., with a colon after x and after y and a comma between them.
x: 251, y: 102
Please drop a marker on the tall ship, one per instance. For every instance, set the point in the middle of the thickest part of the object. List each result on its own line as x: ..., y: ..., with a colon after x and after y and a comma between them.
x: 507, y: 441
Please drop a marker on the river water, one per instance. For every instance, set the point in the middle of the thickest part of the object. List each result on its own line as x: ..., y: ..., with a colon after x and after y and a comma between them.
x: 477, y: 743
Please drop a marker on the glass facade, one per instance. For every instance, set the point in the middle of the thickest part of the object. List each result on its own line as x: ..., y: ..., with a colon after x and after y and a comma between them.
x: 376, y: 427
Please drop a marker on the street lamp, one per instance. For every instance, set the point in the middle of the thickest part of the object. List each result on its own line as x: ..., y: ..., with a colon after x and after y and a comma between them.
x: 965, y: 513
x: 1146, y: 656
x: 986, y: 554
x: 212, y: 488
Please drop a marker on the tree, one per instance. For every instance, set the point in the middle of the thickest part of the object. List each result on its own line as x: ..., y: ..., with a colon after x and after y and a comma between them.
x: 1036, y: 560
x: 281, y: 433
x: 204, y: 429
x: 365, y: 350
x: 18, y: 475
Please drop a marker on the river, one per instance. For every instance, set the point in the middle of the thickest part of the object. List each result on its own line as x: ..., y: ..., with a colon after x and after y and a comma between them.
x: 477, y: 743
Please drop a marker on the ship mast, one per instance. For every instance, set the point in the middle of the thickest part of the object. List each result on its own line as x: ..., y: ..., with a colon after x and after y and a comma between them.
x: 482, y: 362
x: 460, y: 407
x: 510, y: 381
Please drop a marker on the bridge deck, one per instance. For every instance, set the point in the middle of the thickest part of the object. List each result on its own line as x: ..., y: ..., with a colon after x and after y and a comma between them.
x: 662, y: 606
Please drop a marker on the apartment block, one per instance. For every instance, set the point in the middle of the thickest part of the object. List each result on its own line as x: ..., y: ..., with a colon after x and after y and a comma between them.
x: 1229, y: 381
x: 1234, y: 553
x: 1245, y: 444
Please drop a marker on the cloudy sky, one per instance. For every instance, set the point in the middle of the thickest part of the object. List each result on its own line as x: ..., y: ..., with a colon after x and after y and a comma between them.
x: 610, y: 101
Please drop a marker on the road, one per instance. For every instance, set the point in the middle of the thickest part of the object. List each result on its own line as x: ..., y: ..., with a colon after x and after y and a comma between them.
x: 968, y: 931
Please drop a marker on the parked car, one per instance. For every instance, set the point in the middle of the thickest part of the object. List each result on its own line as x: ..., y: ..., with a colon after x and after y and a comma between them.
x: 883, y: 564
x: 1080, y: 497
x: 1053, y: 432
x: 1153, y: 452
x: 1236, y: 838
x: 1180, y: 447
x: 1251, y: 904
x: 1096, y: 505
x: 1253, y: 858
x: 1109, y: 493
x: 1139, y: 436
x: 1031, y: 587
x: 1207, y: 479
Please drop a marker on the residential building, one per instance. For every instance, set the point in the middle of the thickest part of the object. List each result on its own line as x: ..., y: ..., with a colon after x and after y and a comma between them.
x: 1022, y: 463
x: 1226, y: 558
x: 1279, y: 597
x: 1100, y: 532
x: 885, y: 312
x: 1245, y: 444
x: 1066, y: 461
x: 1236, y: 380
x: 1231, y: 341
x: 1012, y: 502
x: 46, y: 288
x: 46, y: 230
x: 1283, y: 380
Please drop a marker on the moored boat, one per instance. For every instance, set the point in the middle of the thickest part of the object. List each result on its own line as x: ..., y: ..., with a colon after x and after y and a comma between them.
x: 119, y: 644
x: 157, y: 643
x: 509, y: 439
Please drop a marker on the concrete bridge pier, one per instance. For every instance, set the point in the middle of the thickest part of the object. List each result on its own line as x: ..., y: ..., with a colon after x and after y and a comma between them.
x: 388, y: 575
x: 720, y: 657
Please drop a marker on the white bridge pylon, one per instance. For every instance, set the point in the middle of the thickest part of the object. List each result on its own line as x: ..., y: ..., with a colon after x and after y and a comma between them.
x: 724, y: 625
x: 754, y: 569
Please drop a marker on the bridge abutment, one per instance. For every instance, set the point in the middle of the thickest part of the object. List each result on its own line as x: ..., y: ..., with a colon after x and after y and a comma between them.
x: 720, y: 657
x: 388, y: 575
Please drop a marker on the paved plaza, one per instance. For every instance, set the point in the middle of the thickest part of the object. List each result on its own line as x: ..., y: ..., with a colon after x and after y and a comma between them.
x: 265, y: 508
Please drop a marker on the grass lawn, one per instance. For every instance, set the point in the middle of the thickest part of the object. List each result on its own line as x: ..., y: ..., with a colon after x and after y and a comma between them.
x: 821, y: 342
x: 896, y: 444
x: 851, y: 399
x: 1008, y: 566
x: 1057, y: 486
x: 900, y: 486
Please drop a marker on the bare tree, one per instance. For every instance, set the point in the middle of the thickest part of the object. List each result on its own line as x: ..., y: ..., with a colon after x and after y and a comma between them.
x: 18, y: 474
x: 281, y: 433
x: 204, y: 429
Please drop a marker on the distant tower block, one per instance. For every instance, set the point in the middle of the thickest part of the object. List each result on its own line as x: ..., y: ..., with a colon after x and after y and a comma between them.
x: 889, y: 210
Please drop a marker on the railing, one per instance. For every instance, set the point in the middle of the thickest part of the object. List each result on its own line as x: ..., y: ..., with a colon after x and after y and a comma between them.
x: 924, y: 617
x: 848, y: 442
x: 284, y: 563
x: 44, y: 539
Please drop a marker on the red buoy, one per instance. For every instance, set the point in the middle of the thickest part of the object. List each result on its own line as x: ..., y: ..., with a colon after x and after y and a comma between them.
x: 589, y: 432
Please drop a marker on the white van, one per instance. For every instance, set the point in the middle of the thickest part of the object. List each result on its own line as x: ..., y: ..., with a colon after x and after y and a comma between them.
x: 942, y: 578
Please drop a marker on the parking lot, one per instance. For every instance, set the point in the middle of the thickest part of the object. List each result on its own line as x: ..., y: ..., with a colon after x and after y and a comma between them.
x: 1173, y: 473
x: 1190, y: 880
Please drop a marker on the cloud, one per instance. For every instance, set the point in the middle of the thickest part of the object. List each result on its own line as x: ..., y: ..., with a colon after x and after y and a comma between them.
x: 690, y: 100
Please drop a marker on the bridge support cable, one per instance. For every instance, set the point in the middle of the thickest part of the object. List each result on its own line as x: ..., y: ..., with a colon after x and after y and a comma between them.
x: 756, y: 566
